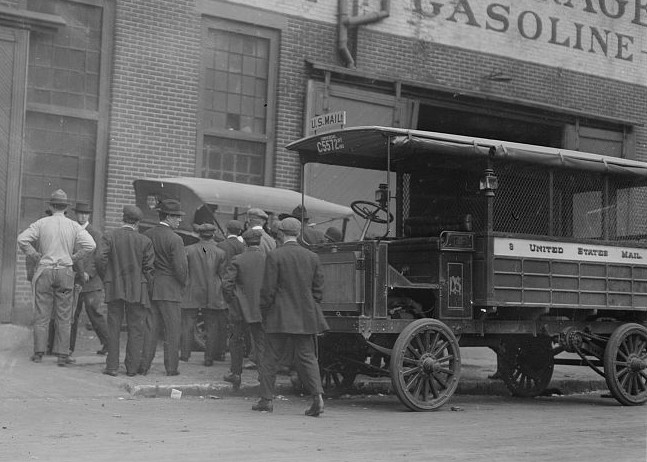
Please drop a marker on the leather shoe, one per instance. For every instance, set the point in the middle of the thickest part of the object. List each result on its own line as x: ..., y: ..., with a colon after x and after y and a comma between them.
x: 64, y: 360
x: 233, y: 379
x: 184, y: 359
x: 317, y: 407
x: 37, y: 357
x: 172, y: 373
x: 131, y: 374
x: 102, y: 352
x: 208, y: 362
x: 109, y: 372
x: 263, y: 405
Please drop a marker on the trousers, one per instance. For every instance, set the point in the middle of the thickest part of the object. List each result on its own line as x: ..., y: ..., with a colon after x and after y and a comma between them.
x: 302, y: 348
x: 53, y: 295
x: 164, y: 315
x: 135, y: 317
x: 237, y: 344
x: 92, y: 302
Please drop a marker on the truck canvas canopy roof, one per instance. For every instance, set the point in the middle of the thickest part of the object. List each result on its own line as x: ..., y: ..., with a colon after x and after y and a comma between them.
x: 366, y: 147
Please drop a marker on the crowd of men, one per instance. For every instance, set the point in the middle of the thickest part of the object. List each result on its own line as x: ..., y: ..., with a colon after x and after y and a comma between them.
x: 250, y: 285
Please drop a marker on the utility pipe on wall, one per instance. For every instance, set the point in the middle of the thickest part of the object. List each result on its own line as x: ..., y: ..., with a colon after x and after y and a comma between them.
x: 345, y: 21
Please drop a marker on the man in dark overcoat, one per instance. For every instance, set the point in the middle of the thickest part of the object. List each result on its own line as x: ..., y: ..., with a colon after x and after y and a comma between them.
x: 168, y: 284
x: 233, y: 244
x: 290, y: 296
x: 126, y: 266
x: 310, y: 235
x: 91, y: 286
x: 204, y: 292
x: 241, y: 287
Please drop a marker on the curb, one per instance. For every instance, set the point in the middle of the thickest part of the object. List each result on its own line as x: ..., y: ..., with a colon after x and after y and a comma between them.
x: 218, y: 390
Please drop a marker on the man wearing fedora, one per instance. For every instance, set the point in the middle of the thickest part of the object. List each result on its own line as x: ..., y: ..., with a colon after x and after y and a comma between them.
x: 257, y: 218
x: 169, y: 280
x: 61, y: 242
x: 310, y: 235
x: 206, y: 263
x: 290, y: 296
x: 91, y: 286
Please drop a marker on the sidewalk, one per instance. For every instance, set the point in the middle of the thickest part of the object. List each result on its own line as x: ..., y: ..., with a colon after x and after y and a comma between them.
x: 22, y: 378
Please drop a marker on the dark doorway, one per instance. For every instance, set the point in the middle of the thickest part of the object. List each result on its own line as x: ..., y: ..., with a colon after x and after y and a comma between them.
x: 481, y: 125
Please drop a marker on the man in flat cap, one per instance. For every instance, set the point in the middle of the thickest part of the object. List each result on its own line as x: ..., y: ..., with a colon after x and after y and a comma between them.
x: 206, y: 263
x: 241, y: 287
x: 169, y: 280
x: 290, y: 296
x: 90, y: 284
x: 61, y: 242
x: 126, y: 264
x: 310, y: 235
x: 257, y: 218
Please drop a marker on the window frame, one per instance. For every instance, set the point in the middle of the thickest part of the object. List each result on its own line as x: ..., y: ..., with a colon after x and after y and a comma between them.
x: 269, y: 138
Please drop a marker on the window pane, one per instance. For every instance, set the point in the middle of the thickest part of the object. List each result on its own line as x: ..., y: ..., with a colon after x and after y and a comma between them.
x: 236, y: 160
x: 64, y: 65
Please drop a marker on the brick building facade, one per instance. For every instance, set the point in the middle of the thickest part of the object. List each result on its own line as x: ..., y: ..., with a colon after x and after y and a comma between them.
x: 102, y: 92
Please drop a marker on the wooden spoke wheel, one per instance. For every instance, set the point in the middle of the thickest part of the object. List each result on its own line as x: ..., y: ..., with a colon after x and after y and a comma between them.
x: 526, y: 366
x: 425, y: 365
x: 625, y: 364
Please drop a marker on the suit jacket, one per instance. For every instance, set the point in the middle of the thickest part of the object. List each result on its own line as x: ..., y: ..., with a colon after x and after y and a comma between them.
x: 171, y: 266
x: 242, y: 283
x: 126, y: 264
x: 232, y: 246
x: 206, y: 263
x: 311, y: 236
x: 88, y: 264
x: 292, y: 291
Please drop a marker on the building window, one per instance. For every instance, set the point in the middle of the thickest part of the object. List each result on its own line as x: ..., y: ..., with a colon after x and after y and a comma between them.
x: 64, y: 135
x: 237, y: 100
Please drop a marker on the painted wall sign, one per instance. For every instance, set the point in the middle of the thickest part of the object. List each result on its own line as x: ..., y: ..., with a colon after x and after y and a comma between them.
x: 549, y: 250
x: 328, y: 121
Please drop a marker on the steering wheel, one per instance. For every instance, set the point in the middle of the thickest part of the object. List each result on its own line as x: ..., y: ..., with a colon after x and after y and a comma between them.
x: 369, y: 210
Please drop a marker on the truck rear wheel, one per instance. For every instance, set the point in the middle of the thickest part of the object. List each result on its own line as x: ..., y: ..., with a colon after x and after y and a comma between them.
x: 526, y: 366
x: 625, y: 364
x: 425, y: 365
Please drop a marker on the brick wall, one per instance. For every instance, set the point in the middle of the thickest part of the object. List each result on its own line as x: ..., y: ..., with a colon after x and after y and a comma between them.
x: 154, y: 96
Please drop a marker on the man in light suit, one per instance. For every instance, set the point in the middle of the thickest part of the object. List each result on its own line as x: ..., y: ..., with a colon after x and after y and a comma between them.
x: 241, y: 287
x: 126, y: 266
x: 290, y: 296
x: 171, y: 271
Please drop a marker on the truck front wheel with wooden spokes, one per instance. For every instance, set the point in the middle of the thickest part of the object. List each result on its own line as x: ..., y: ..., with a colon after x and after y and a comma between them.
x: 425, y: 365
x: 625, y: 364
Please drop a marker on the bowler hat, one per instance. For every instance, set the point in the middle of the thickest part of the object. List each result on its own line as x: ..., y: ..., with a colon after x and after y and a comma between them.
x: 235, y: 227
x: 290, y: 226
x: 256, y: 212
x: 171, y: 207
x: 252, y: 236
x: 300, y: 213
x: 205, y: 228
x: 132, y: 214
x: 59, y: 197
x: 82, y: 207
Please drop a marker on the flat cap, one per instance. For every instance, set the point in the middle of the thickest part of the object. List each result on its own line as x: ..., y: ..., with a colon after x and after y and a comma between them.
x: 290, y: 226
x: 235, y: 227
x: 205, y: 228
x: 132, y: 214
x: 252, y: 236
x: 255, y: 212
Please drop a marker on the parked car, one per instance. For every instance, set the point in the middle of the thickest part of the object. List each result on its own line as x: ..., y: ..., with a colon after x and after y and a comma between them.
x: 220, y: 201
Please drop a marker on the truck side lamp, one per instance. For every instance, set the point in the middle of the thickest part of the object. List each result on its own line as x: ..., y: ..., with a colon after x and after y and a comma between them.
x: 382, y: 195
x: 489, y: 182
